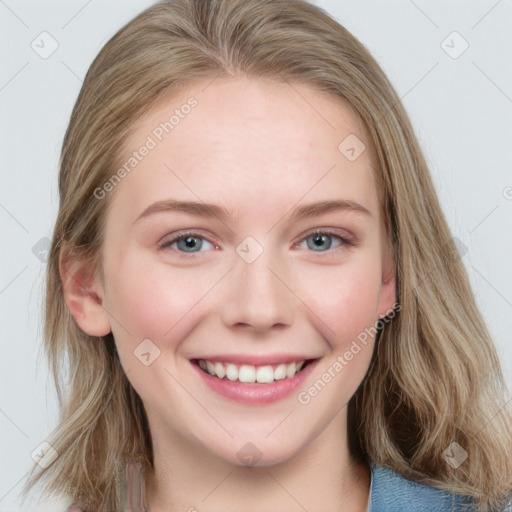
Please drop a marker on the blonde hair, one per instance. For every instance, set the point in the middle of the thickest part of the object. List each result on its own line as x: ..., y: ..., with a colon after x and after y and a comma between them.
x: 435, y: 377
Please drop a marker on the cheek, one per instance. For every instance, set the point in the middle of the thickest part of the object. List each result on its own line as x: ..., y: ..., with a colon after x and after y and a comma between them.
x: 152, y: 300
x: 344, y: 301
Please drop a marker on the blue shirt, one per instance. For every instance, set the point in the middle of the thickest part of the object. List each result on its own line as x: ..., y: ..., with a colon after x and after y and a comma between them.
x: 391, y: 492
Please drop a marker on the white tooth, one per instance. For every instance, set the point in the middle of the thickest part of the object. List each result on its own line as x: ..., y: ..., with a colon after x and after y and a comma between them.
x: 220, y: 370
x: 265, y: 374
x: 280, y: 372
x: 247, y: 373
x: 231, y: 372
x: 210, y: 367
x: 291, y: 369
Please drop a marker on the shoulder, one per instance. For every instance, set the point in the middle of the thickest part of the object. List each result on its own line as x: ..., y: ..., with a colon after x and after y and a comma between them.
x: 391, y: 491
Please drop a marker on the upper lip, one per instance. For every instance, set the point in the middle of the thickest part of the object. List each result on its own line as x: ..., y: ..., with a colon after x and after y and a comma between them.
x: 255, y: 360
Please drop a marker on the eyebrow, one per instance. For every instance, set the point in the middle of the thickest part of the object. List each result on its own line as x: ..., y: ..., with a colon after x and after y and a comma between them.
x: 201, y: 209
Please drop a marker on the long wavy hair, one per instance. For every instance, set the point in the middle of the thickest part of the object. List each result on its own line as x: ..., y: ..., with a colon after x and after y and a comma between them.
x: 434, y: 378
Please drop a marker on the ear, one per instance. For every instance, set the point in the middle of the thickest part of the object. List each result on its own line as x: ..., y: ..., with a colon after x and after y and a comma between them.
x: 83, y: 293
x: 387, y: 297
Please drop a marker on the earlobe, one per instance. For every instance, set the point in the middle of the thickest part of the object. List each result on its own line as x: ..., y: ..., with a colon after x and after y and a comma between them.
x: 388, y: 295
x: 83, y: 295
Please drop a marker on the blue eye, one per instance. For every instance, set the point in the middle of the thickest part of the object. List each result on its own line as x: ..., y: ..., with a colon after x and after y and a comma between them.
x: 322, y: 241
x: 186, y: 242
x: 192, y: 242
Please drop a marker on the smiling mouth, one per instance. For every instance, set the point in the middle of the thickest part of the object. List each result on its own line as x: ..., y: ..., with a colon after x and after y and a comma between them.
x: 251, y: 374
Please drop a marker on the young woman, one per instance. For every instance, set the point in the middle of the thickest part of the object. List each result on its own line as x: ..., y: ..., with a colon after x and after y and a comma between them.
x: 252, y: 290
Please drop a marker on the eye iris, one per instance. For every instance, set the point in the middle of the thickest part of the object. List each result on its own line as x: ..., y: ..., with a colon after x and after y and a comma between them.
x: 191, y: 243
x: 320, y: 239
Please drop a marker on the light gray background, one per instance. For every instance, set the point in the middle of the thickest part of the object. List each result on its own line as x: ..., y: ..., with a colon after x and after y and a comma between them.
x: 461, y: 109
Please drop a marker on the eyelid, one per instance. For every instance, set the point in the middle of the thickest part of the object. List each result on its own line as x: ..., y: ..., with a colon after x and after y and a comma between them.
x: 345, y: 236
x: 174, y: 237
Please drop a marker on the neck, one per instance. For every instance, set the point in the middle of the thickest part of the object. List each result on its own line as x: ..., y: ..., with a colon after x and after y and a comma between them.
x: 322, y: 477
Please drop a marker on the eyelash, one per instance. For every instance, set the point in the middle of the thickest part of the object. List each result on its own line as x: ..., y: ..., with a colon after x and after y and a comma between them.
x: 345, y: 241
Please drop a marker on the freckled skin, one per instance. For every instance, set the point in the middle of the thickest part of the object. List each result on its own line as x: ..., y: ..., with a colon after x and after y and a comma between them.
x: 257, y: 148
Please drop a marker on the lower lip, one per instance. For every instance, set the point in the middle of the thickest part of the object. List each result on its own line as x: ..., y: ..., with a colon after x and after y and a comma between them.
x: 255, y: 393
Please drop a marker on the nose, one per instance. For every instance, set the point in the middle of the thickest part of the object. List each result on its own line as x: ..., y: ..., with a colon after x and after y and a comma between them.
x: 259, y: 295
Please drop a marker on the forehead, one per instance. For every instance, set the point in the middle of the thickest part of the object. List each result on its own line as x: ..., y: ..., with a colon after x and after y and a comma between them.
x: 248, y: 143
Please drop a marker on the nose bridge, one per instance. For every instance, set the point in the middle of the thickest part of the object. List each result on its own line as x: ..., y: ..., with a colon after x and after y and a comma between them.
x: 258, y: 296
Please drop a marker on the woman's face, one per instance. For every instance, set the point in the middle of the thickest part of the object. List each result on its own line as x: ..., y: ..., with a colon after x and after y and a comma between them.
x: 253, y: 290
